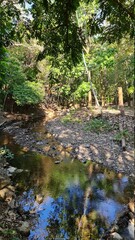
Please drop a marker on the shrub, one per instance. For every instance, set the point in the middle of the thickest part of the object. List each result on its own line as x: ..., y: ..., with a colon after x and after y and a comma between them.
x: 28, y: 93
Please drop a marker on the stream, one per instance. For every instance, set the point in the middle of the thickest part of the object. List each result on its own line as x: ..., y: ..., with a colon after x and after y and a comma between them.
x: 78, y: 200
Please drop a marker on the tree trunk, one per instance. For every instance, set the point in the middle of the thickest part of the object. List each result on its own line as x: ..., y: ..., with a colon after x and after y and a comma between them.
x: 88, y: 71
x: 120, y: 101
x: 103, y: 101
x: 89, y: 80
x: 89, y: 99
x: 120, y: 97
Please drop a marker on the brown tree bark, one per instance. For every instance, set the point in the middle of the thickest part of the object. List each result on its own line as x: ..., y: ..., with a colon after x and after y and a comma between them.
x: 89, y: 99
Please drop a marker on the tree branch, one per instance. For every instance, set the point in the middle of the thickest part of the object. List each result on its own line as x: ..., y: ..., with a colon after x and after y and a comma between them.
x: 125, y: 9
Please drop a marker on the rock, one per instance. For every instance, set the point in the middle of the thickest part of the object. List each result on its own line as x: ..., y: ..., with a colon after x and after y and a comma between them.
x: 4, y: 182
x: 84, y: 161
x: 115, y: 236
x: 19, y: 170
x: 57, y: 162
x: 128, y: 233
x: 24, y: 229
x: 131, y: 206
x: 12, y: 215
x: 7, y: 193
x: 11, y: 203
x: 39, y: 198
x: 11, y: 170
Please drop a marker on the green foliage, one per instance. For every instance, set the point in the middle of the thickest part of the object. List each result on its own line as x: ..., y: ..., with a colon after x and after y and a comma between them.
x: 12, y: 21
x: 65, y: 90
x: 10, y: 73
x: 120, y: 135
x: 131, y: 90
x: 15, y: 70
x: 9, y: 233
x: 54, y: 23
x: 26, y: 54
x: 81, y: 91
x: 119, y: 17
x: 5, y: 152
x: 28, y: 93
x: 56, y: 26
x: 69, y: 118
x: 98, y: 125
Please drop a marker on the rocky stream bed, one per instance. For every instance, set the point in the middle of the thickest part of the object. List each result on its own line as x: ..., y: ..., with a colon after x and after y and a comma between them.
x: 62, y: 139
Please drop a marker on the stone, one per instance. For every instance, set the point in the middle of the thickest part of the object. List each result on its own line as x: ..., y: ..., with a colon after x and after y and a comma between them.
x: 4, y: 182
x: 131, y: 206
x: 115, y: 236
x: 7, y: 194
x: 11, y: 170
x: 57, y: 162
x: 12, y: 215
x: 11, y: 203
x: 19, y: 170
x: 24, y: 229
x: 39, y: 198
x: 128, y: 233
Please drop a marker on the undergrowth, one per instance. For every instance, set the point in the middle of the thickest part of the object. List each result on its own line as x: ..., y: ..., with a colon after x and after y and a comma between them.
x: 98, y: 125
x: 70, y: 118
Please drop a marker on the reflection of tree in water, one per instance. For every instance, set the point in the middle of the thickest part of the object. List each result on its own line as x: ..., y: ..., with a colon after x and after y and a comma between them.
x: 90, y: 226
x: 68, y: 221
x: 62, y: 220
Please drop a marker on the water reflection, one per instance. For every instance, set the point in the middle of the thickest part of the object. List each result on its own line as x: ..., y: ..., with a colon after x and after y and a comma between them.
x: 79, y: 201
x: 75, y: 204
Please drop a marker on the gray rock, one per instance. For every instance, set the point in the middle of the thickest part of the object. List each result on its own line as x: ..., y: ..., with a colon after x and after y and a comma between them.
x: 128, y: 233
x: 115, y: 236
x: 11, y: 170
x: 57, y: 162
x: 19, y: 170
x: 12, y: 215
x: 24, y: 229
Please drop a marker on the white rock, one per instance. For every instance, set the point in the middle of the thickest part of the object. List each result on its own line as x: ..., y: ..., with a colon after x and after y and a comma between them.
x: 11, y: 169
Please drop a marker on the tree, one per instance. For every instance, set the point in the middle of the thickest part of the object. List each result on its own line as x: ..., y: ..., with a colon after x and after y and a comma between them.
x: 13, y: 21
x: 114, y: 20
x: 10, y: 73
x: 16, y: 84
x: 54, y: 23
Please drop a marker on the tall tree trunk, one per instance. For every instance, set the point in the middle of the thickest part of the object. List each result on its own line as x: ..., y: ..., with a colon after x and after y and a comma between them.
x: 89, y: 80
x: 120, y: 97
x: 103, y: 101
x: 120, y: 101
x: 89, y: 99
x: 88, y: 71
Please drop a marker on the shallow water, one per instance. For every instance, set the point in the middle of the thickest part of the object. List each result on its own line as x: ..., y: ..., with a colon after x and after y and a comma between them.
x: 80, y: 200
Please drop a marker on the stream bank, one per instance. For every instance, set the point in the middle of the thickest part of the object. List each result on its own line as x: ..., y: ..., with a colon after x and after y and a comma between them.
x: 58, y: 136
